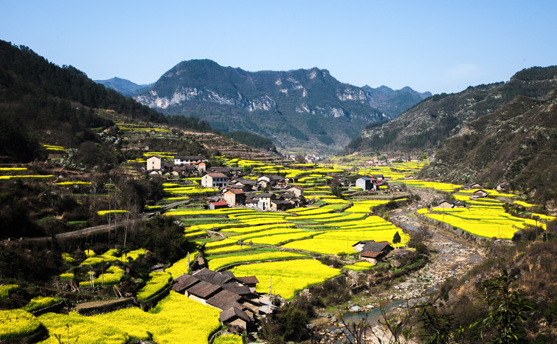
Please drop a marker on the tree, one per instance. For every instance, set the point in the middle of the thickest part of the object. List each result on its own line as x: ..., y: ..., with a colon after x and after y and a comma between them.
x: 162, y: 236
x: 300, y: 158
x: 506, y: 312
x: 436, y: 327
x: 396, y: 238
x: 336, y: 190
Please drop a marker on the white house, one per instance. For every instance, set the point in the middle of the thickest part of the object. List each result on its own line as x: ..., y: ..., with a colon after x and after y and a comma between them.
x: 265, y: 200
x: 154, y: 163
x: 214, y: 180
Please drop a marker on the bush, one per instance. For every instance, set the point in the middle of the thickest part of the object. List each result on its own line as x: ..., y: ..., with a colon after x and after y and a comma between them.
x: 162, y: 236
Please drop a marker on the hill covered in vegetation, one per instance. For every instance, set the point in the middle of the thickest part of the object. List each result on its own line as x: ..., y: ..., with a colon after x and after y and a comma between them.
x: 504, y: 132
x: 426, y: 125
x: 516, y: 144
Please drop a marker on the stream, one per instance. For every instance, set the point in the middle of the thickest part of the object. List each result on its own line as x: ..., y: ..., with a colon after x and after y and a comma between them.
x: 451, y: 258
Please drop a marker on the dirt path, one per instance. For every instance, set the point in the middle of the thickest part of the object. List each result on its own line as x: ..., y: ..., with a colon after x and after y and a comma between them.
x: 106, y: 228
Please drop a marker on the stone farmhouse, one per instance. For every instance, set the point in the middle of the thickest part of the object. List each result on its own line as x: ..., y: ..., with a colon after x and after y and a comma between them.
x: 234, y: 296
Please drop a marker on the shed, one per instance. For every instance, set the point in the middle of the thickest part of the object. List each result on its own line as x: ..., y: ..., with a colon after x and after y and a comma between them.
x: 217, y: 205
x: 364, y: 183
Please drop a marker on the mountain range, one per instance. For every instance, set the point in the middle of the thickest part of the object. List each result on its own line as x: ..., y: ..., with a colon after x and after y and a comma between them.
x: 300, y: 110
x: 123, y: 86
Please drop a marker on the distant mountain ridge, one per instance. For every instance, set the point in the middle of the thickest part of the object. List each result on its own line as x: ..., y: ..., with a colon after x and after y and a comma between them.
x: 304, y: 110
x: 123, y: 86
x: 392, y: 102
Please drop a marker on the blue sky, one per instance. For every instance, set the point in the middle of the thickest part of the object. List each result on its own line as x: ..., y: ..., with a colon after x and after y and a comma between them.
x: 437, y: 46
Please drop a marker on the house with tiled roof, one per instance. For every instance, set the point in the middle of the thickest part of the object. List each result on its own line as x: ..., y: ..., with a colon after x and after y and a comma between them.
x: 234, y: 296
x: 234, y: 197
x: 371, y: 251
x: 214, y: 180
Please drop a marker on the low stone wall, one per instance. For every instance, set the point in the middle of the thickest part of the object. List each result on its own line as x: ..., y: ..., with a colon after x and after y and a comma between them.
x: 56, y: 308
x: 99, y: 307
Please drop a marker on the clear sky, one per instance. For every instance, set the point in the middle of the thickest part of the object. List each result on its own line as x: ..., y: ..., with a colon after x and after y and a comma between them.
x: 437, y: 46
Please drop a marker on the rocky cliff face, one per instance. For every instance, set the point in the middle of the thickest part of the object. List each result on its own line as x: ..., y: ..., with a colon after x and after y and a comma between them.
x: 305, y: 110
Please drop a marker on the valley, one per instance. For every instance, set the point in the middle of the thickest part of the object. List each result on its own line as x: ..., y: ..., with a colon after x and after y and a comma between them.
x: 121, y: 224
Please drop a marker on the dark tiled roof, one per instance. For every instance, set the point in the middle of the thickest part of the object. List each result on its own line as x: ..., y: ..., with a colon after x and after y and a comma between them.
x: 204, y: 289
x: 377, y: 247
x: 237, y: 289
x: 223, y: 299
x: 246, y: 181
x: 228, y: 273
x: 184, y: 282
x: 213, y: 277
x: 234, y: 312
x: 279, y: 202
x: 248, y: 279
x: 371, y: 245
x: 369, y: 254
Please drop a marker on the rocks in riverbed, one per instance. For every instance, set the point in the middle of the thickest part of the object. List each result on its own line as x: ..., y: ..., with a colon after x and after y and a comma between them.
x: 355, y: 309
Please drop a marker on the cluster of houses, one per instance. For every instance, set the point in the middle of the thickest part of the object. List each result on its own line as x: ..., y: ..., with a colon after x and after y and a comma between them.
x: 308, y: 158
x: 234, y: 296
x: 185, y: 166
x: 385, y: 162
x: 243, y: 192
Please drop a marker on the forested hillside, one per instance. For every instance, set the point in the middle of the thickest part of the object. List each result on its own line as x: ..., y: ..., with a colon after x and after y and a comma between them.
x: 57, y: 105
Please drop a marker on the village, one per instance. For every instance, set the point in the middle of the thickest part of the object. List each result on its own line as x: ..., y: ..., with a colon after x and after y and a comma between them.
x: 240, y: 304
